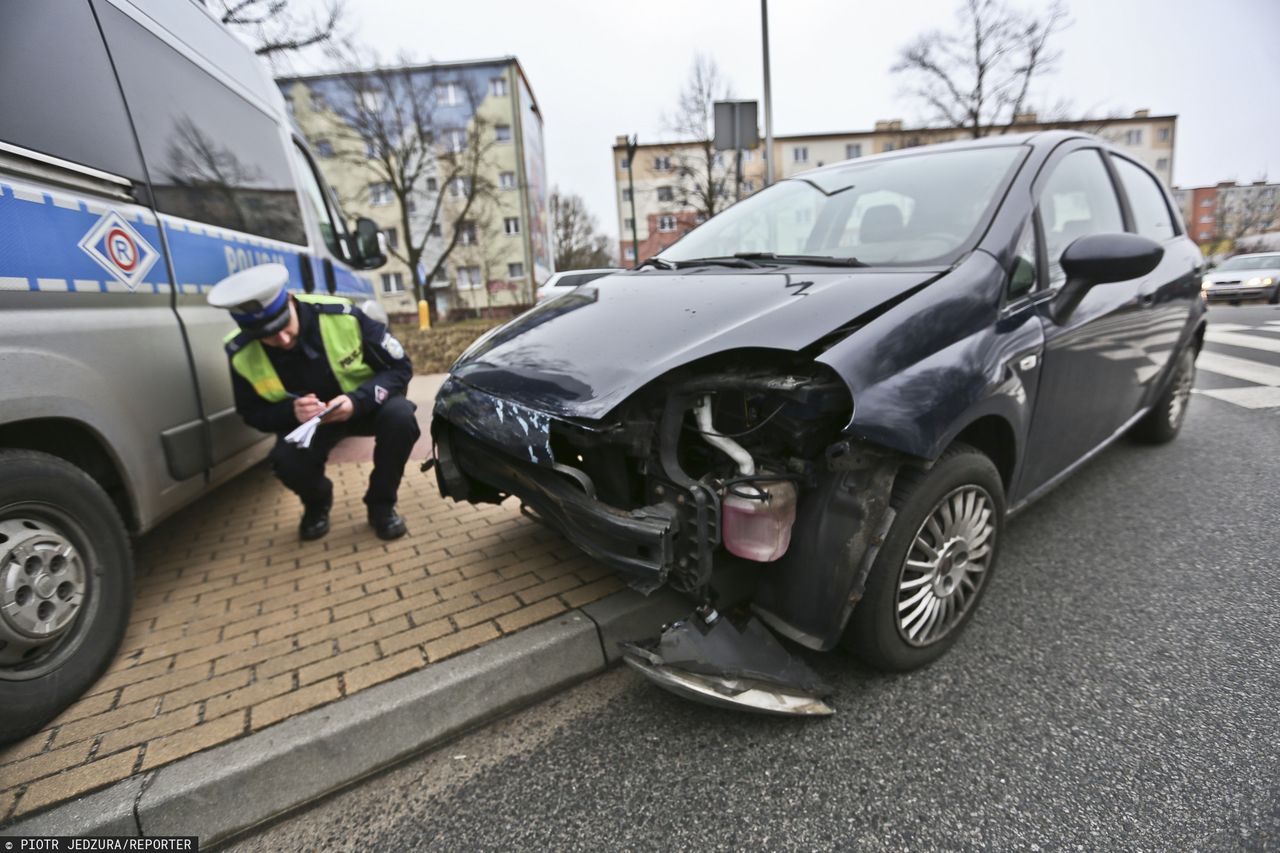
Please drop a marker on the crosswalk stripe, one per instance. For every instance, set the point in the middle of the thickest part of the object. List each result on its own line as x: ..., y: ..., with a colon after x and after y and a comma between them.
x: 1238, y: 368
x: 1234, y: 339
x: 1252, y: 397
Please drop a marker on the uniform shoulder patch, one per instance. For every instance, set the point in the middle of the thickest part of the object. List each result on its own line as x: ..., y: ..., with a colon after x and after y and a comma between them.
x: 392, y: 346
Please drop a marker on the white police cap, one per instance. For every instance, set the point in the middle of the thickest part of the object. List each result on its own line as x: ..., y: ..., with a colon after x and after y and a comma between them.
x: 256, y: 298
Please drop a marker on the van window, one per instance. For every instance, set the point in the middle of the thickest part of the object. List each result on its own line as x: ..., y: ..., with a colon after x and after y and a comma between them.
x: 211, y: 155
x: 59, y: 96
x: 313, y: 191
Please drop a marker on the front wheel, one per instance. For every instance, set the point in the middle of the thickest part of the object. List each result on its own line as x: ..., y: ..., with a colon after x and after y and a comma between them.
x: 66, y: 587
x: 1164, y: 421
x: 935, y: 565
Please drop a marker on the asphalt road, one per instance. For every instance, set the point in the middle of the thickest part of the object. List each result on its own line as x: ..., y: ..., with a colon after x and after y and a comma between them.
x: 1119, y: 688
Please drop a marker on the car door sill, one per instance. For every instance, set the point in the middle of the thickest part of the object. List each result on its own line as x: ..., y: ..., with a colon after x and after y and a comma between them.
x: 1047, y: 487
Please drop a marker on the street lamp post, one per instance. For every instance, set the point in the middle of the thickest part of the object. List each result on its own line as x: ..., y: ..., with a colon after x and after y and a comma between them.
x: 631, y: 191
x: 768, y: 97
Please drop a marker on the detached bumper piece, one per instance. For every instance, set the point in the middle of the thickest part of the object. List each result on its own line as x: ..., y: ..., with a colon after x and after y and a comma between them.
x: 729, y: 663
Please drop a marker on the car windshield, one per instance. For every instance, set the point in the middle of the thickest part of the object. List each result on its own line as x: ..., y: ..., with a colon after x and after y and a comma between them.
x: 1256, y: 262
x: 903, y: 210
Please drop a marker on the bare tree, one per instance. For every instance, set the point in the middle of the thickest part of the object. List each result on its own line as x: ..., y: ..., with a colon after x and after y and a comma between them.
x: 979, y: 77
x: 703, y: 181
x: 1244, y: 211
x: 396, y: 127
x: 274, y: 27
x: 579, y: 245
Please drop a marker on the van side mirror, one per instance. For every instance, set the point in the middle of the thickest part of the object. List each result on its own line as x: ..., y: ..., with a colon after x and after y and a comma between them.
x: 369, y: 250
x: 1101, y: 259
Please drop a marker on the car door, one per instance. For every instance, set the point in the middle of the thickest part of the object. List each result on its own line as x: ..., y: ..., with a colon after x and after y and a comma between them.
x: 1089, y: 379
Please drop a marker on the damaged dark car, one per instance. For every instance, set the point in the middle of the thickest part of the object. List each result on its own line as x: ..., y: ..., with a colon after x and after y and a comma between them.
x: 815, y: 412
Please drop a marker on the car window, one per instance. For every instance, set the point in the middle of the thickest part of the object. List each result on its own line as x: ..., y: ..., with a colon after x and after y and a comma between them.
x: 211, y: 155
x: 314, y: 195
x: 1077, y: 200
x: 1151, y: 214
x: 60, y: 97
x: 1022, y: 280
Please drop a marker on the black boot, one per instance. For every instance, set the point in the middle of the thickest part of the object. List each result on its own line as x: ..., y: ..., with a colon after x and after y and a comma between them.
x: 315, y: 521
x: 388, y: 524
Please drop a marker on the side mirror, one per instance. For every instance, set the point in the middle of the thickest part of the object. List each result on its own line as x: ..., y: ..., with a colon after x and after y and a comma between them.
x: 369, y: 249
x: 1101, y: 259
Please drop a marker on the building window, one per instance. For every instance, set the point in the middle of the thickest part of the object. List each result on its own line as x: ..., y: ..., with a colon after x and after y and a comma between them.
x: 448, y: 94
x: 435, y: 230
x: 666, y: 223
x: 746, y: 156
x: 466, y: 233
x: 288, y: 104
x: 318, y: 101
x: 1206, y: 219
x: 628, y: 224
x: 662, y: 164
x: 629, y: 253
x: 498, y: 87
x: 1162, y: 164
x: 515, y: 270
x: 1163, y: 134
x: 393, y: 238
x: 507, y: 180
x: 455, y: 139
x: 379, y: 194
x: 511, y: 225
x: 503, y: 132
x: 852, y: 149
x: 392, y: 282
x: 888, y: 146
x: 748, y: 186
x: 624, y: 164
x: 800, y: 154
x: 626, y: 195
x: 1206, y: 202
x: 468, y: 277
x: 719, y: 158
x: 370, y: 149
x: 1133, y: 137
x: 666, y: 194
x: 460, y: 187
x: 432, y: 185
x: 324, y: 148
x: 1205, y: 235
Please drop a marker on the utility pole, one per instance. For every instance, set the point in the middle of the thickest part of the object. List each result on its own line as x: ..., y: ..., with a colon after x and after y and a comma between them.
x: 631, y: 191
x: 768, y: 97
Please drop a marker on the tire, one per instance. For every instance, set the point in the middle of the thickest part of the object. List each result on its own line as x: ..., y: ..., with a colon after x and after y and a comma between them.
x: 875, y: 634
x: 1164, y: 421
x: 66, y: 587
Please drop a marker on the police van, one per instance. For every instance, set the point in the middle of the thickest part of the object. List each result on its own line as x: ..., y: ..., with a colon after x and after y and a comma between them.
x: 145, y: 154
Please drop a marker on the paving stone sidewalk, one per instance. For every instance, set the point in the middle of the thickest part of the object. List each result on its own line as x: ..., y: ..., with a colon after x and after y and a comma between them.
x: 237, y: 625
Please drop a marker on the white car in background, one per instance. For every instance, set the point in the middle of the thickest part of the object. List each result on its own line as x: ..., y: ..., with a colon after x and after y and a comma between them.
x: 1255, y: 276
x: 563, y: 282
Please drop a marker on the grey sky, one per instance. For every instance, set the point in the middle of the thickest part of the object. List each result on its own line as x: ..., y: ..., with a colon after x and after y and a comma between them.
x: 604, y: 68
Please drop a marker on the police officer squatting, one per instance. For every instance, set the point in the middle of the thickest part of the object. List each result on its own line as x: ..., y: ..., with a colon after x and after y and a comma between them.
x: 298, y: 356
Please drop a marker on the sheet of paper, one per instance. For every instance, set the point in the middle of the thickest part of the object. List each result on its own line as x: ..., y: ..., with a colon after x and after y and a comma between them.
x: 307, y: 429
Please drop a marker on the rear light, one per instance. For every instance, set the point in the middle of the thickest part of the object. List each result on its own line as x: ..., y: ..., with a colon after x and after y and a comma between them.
x: 759, y: 528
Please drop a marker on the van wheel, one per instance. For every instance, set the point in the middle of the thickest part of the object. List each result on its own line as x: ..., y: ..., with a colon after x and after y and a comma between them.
x: 935, y: 565
x: 1163, y: 422
x: 66, y: 587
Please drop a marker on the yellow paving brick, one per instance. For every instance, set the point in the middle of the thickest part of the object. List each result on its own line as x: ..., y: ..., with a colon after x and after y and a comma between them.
x: 474, y: 584
x: 517, y: 619
x: 248, y: 657
x: 220, y: 649
x: 254, y: 623
x: 259, y: 691
x: 179, y: 645
x: 433, y: 612
x: 72, y: 783
x: 333, y: 630
x: 183, y: 718
x: 45, y: 764
x: 506, y: 587
x: 383, y: 670
x: 429, y: 584
x: 204, y: 689
x: 552, y: 587
x: 86, y: 707
x: 460, y: 641
x: 25, y: 748
x: 337, y: 663
x: 110, y: 721
x: 415, y: 636
x: 7, y: 799
x: 365, y: 603
x: 164, y: 683
x: 375, y: 631
x: 593, y: 591
x: 294, y: 660
x: 486, y: 611
x: 184, y: 743
x: 290, y: 704
x: 324, y: 599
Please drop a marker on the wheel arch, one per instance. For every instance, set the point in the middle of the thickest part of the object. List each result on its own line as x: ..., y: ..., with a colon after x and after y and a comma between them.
x: 994, y: 437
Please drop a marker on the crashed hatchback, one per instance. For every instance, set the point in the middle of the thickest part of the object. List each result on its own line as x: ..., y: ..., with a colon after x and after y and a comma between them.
x: 817, y: 410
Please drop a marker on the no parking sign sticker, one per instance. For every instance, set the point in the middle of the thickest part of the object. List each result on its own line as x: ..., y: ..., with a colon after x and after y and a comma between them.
x: 119, y: 249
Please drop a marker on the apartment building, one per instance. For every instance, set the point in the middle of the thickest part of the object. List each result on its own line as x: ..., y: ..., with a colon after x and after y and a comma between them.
x: 1217, y: 216
x: 663, y: 215
x: 504, y: 248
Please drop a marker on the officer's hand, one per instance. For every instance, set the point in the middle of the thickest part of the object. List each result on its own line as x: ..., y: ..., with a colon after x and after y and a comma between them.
x: 343, y: 413
x: 306, y: 408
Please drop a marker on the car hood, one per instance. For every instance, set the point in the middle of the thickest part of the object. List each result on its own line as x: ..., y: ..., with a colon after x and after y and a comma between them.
x: 1239, y: 276
x: 582, y: 353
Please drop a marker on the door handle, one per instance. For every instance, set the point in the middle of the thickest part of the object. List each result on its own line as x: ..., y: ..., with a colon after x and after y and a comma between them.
x: 1146, y: 300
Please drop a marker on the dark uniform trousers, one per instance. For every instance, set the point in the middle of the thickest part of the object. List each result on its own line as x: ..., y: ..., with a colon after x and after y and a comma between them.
x: 395, y: 430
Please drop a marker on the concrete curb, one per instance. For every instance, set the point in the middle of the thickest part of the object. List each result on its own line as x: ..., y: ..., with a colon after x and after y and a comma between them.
x: 228, y: 789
